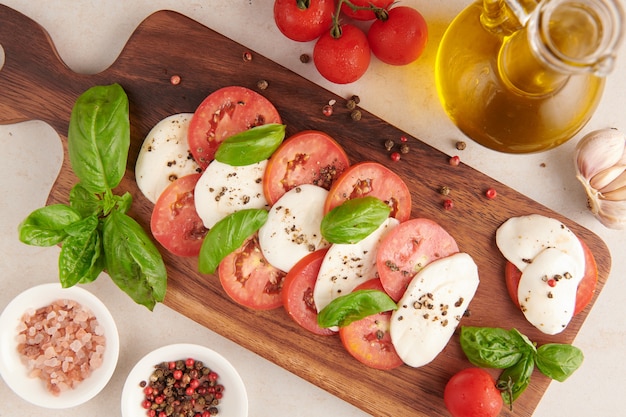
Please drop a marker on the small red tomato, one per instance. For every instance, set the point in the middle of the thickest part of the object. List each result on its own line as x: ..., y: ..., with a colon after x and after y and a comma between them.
x: 364, y: 14
x: 343, y: 59
x: 401, y: 38
x: 472, y: 392
x: 303, y: 20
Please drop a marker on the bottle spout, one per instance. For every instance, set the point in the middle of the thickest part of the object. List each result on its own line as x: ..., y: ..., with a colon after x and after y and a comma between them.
x: 506, y: 16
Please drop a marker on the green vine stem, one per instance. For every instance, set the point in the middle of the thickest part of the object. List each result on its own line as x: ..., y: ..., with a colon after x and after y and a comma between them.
x: 335, y: 31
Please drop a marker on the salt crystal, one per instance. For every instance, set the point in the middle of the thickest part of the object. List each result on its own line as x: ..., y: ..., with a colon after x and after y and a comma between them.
x: 76, y: 345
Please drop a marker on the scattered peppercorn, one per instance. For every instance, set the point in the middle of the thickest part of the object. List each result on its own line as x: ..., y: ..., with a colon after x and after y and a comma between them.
x: 403, y: 139
x: 247, y: 56
x: 327, y: 110
x: 455, y: 160
x: 389, y: 144
x: 262, y: 84
x: 460, y: 145
x: 351, y: 104
x: 404, y: 148
x: 175, y: 79
x: 305, y: 58
x: 395, y: 156
x: 491, y: 193
x: 355, y: 115
x: 445, y: 190
x: 448, y: 204
x: 356, y: 99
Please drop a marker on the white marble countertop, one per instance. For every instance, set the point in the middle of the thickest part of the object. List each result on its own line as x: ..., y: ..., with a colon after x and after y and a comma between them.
x: 89, y: 35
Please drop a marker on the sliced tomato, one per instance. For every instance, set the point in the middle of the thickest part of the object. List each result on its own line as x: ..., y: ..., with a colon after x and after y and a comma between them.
x: 407, y: 249
x: 223, y: 113
x: 586, y: 287
x: 371, y: 179
x: 368, y: 340
x: 174, y: 221
x: 249, y: 279
x: 308, y: 157
x: 298, y: 292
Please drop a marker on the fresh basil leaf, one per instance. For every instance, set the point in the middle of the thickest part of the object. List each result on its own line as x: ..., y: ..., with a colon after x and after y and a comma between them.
x: 558, y: 361
x: 79, y: 257
x: 227, y: 235
x: 84, y: 201
x: 354, y: 220
x: 515, y: 379
x: 351, y: 307
x: 124, y: 202
x: 99, y: 137
x: 133, y: 261
x: 492, y: 347
x: 82, y: 227
x: 46, y: 225
x: 251, y: 146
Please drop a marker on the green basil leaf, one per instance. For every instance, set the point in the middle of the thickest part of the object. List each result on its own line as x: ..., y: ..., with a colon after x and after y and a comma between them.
x: 354, y: 220
x: 82, y: 227
x: 124, y: 202
x: 79, y: 257
x: 515, y: 379
x: 251, y: 146
x: 492, y: 347
x: 46, y: 225
x: 351, y: 307
x: 227, y: 235
x: 84, y: 201
x: 133, y: 261
x: 99, y: 137
x: 558, y: 361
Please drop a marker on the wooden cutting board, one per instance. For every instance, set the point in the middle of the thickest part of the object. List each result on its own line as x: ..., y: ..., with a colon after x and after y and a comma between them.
x: 35, y: 84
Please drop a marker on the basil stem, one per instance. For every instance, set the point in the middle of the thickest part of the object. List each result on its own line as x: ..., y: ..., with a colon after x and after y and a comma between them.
x: 515, y: 379
x: 354, y: 220
x: 251, y: 146
x: 558, y: 361
x: 227, y: 235
x: 355, y: 306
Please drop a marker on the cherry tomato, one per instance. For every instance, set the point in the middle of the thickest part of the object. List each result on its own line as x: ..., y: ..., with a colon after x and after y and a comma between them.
x: 368, y: 340
x: 298, y: 292
x: 364, y: 14
x: 472, y: 392
x: 174, y: 222
x: 344, y: 59
x: 586, y: 287
x: 401, y: 38
x: 303, y: 20
x: 249, y: 279
x: 223, y: 113
x: 308, y: 157
x: 406, y: 249
x: 373, y: 179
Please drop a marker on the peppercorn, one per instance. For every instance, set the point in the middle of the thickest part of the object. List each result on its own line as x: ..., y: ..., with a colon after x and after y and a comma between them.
x: 262, y: 84
x: 389, y: 144
x: 175, y: 79
x: 444, y: 190
x: 395, y: 156
x: 247, y: 56
x: 404, y: 148
x: 448, y: 204
x: 356, y: 99
x: 460, y: 145
x: 305, y: 58
x: 327, y: 110
x: 355, y: 115
x: 351, y: 104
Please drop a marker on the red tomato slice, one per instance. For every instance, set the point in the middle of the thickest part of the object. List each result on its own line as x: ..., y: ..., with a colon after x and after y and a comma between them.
x: 408, y: 248
x: 371, y: 179
x: 174, y: 221
x: 586, y: 287
x: 298, y: 292
x: 308, y: 157
x: 226, y: 112
x: 249, y: 279
x: 368, y: 340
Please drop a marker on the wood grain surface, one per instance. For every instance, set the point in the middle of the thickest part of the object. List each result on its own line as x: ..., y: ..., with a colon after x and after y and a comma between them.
x: 36, y: 84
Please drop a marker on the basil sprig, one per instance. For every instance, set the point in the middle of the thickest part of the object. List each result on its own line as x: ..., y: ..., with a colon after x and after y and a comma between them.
x: 94, y: 229
x: 227, y: 235
x: 492, y: 347
x: 353, y: 220
x: 354, y: 306
x: 251, y: 146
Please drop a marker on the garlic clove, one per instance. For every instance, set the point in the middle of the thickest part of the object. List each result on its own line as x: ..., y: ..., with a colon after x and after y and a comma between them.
x: 606, y: 177
x: 599, y: 150
x: 618, y: 182
x: 615, y: 195
x: 612, y: 214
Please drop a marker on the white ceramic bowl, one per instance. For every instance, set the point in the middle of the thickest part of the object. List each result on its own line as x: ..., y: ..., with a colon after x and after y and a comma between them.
x: 14, y: 372
x: 233, y: 404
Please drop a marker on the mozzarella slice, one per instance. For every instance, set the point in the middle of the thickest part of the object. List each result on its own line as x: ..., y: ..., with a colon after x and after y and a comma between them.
x: 292, y: 229
x: 432, y: 307
x: 347, y: 265
x: 547, y: 290
x: 520, y: 239
x: 224, y: 189
x: 164, y: 156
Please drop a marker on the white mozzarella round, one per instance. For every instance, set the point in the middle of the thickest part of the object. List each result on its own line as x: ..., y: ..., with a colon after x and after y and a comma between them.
x: 164, y: 156
x: 522, y: 238
x: 224, y: 189
x: 292, y: 229
x: 547, y: 290
x: 432, y: 307
x: 345, y: 266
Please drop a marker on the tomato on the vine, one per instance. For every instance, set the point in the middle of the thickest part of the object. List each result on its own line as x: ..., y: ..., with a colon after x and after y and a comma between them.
x: 344, y: 57
x: 364, y: 14
x: 472, y: 392
x: 400, y: 39
x: 303, y: 20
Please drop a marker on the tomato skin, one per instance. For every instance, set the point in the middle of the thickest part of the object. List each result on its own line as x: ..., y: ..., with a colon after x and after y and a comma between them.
x: 249, y: 279
x: 174, y: 222
x: 298, y: 292
x: 223, y: 113
x: 303, y: 25
x: 401, y: 39
x: 364, y: 15
x: 307, y: 157
x: 472, y: 392
x: 586, y: 287
x: 345, y: 59
x: 368, y: 340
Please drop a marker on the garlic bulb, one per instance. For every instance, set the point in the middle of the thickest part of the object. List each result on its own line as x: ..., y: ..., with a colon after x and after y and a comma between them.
x: 601, y: 168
